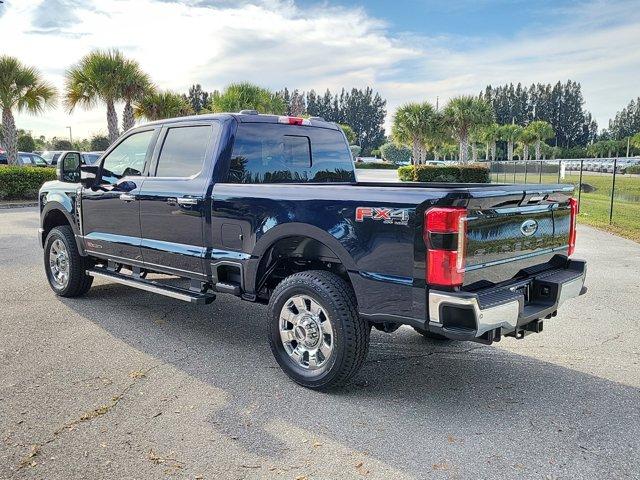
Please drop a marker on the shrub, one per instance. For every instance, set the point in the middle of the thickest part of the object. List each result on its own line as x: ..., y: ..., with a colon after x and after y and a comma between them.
x: 23, y: 182
x: 471, y: 173
x: 633, y: 169
x: 376, y: 166
x: 406, y: 173
x: 26, y: 143
x: 99, y: 143
x: 395, y: 153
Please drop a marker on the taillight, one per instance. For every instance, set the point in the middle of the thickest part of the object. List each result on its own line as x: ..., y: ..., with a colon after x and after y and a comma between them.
x: 573, y: 205
x: 444, y: 236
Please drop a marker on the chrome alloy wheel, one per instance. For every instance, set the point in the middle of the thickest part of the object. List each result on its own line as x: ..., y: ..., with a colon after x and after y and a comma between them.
x: 59, y: 263
x: 306, y: 332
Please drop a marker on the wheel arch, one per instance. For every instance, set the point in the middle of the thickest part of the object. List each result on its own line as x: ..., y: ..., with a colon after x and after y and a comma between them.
x: 296, y: 241
x: 55, y: 214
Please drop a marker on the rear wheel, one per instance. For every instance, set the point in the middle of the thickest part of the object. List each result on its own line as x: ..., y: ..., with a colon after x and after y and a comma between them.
x: 65, y: 267
x: 431, y: 335
x: 315, y: 332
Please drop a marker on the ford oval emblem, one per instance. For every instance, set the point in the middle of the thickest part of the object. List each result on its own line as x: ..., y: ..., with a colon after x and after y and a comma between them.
x: 529, y: 227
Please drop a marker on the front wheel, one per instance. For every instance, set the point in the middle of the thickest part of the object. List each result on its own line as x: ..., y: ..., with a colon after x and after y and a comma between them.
x: 315, y: 332
x: 65, y: 267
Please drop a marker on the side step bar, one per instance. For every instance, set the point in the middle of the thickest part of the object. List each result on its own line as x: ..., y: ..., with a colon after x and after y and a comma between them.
x: 151, y: 286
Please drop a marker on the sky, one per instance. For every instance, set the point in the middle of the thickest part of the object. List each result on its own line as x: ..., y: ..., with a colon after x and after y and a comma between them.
x: 408, y: 50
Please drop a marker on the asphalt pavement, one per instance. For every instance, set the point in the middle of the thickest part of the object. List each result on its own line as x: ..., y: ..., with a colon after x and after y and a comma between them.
x: 128, y: 385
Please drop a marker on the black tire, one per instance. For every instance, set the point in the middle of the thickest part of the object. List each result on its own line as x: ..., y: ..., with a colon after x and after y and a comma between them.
x: 350, y: 333
x: 432, y: 336
x: 78, y: 282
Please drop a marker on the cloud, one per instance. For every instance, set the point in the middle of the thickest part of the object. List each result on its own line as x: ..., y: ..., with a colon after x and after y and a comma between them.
x: 276, y: 43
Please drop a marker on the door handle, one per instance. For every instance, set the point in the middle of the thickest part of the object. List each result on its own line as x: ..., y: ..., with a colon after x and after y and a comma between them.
x: 125, y: 197
x: 187, y: 201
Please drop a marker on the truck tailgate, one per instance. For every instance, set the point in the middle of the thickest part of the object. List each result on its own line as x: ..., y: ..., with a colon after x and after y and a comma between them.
x: 503, y: 241
x: 505, y: 235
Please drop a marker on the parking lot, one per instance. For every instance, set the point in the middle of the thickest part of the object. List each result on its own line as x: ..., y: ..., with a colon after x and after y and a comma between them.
x: 125, y: 384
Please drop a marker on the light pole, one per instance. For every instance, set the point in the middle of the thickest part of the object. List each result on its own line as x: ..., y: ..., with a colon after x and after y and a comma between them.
x: 70, y: 137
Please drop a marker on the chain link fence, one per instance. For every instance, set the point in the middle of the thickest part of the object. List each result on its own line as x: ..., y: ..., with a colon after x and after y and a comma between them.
x: 609, y: 195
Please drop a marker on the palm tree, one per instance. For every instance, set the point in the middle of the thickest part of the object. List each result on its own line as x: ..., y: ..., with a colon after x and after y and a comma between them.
x: 490, y: 134
x: 526, y: 138
x: 21, y: 89
x: 462, y: 115
x: 510, y: 134
x: 413, y: 124
x: 241, y: 96
x: 158, y: 105
x: 541, y: 131
x: 97, y: 78
x: 135, y: 84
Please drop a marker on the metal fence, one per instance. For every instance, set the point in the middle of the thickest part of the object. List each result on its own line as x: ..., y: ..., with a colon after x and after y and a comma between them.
x: 606, y: 192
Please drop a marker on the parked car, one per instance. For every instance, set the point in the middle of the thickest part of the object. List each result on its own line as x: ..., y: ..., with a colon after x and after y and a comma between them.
x: 267, y: 208
x: 90, y: 158
x: 24, y: 159
x: 32, y: 159
x: 51, y: 156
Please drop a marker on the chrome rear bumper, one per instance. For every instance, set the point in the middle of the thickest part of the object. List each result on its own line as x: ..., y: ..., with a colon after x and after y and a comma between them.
x: 505, y: 309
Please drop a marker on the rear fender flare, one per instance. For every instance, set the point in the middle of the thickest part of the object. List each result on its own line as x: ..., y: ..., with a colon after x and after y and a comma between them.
x: 294, y: 230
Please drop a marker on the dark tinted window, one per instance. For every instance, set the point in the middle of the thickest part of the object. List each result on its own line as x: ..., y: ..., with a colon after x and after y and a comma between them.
x: 271, y: 153
x: 183, y: 151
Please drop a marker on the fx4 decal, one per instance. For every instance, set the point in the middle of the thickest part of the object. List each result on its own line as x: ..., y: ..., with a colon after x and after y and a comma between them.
x: 396, y: 216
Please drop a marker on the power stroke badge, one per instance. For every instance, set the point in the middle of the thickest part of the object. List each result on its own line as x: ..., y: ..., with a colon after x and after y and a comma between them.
x: 396, y: 216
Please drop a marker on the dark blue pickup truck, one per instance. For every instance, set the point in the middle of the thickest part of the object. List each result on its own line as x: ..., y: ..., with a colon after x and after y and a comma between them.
x: 268, y: 208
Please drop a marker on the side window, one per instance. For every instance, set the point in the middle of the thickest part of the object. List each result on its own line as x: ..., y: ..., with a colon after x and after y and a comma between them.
x: 25, y: 160
x: 128, y: 158
x: 183, y: 151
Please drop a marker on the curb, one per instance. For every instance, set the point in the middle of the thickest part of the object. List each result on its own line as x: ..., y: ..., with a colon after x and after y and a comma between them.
x: 17, y: 205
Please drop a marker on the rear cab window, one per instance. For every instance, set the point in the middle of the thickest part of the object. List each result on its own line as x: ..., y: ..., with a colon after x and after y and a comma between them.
x: 275, y: 153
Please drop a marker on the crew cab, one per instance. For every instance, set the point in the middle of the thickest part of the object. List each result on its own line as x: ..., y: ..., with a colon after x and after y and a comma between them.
x: 268, y: 208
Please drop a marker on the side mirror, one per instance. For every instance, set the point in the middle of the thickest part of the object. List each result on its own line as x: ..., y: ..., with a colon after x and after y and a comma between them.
x: 68, y: 168
x: 88, y: 175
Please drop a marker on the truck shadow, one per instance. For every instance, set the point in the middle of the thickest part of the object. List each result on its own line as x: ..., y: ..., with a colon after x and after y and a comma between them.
x: 415, y: 400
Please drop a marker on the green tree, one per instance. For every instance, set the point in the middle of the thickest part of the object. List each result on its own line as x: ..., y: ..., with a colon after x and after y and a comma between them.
x: 510, y: 134
x: 561, y: 105
x: 489, y: 135
x: 395, y: 153
x: 464, y: 114
x: 635, y: 141
x: 99, y: 143
x: 97, y: 78
x: 627, y: 121
x: 197, y: 98
x: 363, y: 110
x: 62, y: 144
x: 540, y: 131
x: 26, y: 143
x: 525, y: 140
x: 158, y: 105
x: 246, y: 96
x: 22, y: 89
x: 349, y: 133
x: 135, y: 84
x: 412, y: 125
